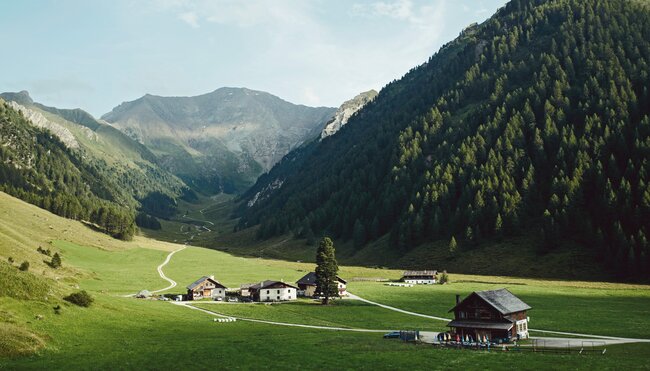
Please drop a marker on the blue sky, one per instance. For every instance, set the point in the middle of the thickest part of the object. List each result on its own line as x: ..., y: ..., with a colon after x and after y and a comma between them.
x: 97, y: 54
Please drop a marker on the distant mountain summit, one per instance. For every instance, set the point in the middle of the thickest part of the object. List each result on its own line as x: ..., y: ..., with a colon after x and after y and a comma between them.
x: 223, y: 140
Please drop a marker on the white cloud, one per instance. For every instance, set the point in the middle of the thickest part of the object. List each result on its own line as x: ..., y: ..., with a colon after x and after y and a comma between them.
x: 190, y: 18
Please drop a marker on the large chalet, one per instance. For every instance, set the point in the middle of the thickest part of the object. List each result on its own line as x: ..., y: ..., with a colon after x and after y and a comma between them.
x: 206, y: 287
x: 497, y: 315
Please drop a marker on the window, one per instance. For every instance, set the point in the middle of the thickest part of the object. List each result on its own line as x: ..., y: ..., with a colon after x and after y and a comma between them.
x: 268, y: 291
x: 278, y: 298
x: 278, y: 291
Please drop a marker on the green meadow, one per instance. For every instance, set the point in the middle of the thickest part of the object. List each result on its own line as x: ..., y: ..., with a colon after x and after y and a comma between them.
x: 126, y: 333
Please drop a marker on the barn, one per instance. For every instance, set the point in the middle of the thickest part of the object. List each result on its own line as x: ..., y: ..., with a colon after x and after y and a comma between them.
x: 497, y: 315
x: 426, y: 277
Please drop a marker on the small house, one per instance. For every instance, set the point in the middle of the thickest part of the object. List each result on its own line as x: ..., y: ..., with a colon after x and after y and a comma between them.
x: 427, y: 277
x: 307, y: 285
x: 273, y: 291
x: 206, y: 287
x: 244, y: 290
x: 497, y: 315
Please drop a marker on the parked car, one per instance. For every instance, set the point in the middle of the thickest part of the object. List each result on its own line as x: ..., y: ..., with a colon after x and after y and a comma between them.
x: 392, y: 335
x: 232, y: 300
x: 218, y: 298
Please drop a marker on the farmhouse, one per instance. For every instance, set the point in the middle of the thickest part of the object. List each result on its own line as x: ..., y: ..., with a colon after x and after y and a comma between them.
x: 497, y: 315
x: 307, y: 285
x: 272, y: 291
x: 420, y: 277
x: 205, y: 287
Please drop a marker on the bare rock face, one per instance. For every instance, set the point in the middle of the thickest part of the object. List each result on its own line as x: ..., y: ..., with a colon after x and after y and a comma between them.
x: 346, y: 111
x: 40, y: 121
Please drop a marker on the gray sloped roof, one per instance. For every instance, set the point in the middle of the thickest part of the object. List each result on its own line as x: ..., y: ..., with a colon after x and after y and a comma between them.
x: 502, y: 300
x: 310, y: 279
x: 420, y: 273
x: 267, y: 283
x: 194, y: 284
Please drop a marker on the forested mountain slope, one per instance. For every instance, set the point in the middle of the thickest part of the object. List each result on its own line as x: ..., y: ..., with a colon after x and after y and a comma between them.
x: 38, y: 167
x: 534, y: 122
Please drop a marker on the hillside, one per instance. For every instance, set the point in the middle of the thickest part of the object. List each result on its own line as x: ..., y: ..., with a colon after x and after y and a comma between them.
x: 38, y: 167
x: 220, y: 141
x: 535, y: 123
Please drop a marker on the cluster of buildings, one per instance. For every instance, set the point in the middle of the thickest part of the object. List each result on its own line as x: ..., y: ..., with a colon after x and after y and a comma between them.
x: 264, y: 291
x: 492, y: 315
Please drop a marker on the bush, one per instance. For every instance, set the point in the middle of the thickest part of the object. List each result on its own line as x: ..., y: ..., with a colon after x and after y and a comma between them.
x: 81, y: 298
x: 56, y: 261
x: 44, y: 252
x: 10, y: 260
x: 444, y: 278
x: 24, y: 266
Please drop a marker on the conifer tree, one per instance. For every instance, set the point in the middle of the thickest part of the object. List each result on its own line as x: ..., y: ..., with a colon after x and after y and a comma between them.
x: 326, y: 270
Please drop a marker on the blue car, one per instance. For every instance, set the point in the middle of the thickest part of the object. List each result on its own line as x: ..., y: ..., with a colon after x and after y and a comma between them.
x: 392, y: 335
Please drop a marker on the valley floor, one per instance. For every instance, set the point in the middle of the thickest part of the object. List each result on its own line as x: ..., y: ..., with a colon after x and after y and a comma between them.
x: 129, y: 333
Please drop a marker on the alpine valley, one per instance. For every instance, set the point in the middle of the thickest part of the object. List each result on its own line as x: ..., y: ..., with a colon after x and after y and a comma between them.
x: 514, y: 161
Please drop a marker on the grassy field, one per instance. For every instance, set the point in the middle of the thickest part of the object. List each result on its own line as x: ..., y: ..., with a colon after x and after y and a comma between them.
x: 117, y: 332
x: 343, y: 313
x: 584, y: 307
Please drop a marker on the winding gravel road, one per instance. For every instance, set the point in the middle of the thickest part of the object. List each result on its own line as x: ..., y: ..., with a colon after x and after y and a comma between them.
x: 172, y: 283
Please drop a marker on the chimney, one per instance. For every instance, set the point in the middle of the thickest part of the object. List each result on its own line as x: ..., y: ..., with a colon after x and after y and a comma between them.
x: 457, y: 299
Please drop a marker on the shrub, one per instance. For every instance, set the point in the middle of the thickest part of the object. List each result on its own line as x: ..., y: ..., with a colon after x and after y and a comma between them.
x: 24, y: 266
x: 81, y: 298
x: 44, y: 252
x: 56, y: 261
x: 10, y: 260
x: 444, y: 278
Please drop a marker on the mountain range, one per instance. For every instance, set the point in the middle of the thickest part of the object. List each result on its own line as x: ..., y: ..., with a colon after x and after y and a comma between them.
x: 532, y: 126
x: 220, y: 141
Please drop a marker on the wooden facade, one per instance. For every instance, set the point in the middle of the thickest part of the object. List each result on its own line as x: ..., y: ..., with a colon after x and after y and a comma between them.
x: 206, y: 287
x: 307, y: 285
x: 496, y: 315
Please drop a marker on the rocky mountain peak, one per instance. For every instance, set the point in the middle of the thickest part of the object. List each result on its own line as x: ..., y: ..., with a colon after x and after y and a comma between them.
x: 347, y: 109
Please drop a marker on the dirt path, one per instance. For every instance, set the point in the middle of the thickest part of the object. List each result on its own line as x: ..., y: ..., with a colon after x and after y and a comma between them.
x: 187, y: 305
x: 172, y: 283
x: 355, y: 297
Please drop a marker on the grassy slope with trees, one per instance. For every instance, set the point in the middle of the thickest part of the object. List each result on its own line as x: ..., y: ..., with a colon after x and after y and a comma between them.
x: 533, y: 123
x: 127, y: 172
x: 144, y: 334
x: 38, y: 168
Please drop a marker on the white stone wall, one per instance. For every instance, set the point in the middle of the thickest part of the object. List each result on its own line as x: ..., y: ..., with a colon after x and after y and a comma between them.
x: 278, y: 294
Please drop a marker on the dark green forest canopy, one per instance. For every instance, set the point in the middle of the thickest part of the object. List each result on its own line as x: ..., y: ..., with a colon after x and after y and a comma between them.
x: 536, y: 120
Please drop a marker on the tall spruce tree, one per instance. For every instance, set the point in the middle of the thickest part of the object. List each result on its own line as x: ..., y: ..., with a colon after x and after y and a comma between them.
x: 326, y: 270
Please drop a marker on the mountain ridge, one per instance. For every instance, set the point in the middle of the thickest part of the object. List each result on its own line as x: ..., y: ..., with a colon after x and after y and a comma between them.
x: 222, y: 140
